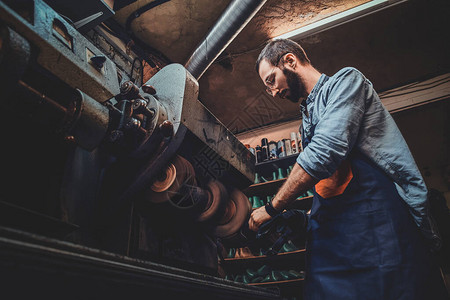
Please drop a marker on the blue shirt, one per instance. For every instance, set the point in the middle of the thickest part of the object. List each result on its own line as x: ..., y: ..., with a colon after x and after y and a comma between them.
x: 343, y: 112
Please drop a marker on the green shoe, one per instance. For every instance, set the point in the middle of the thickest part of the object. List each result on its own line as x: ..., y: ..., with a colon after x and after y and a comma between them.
x: 276, y: 276
x: 281, y: 173
x: 238, y: 278
x: 257, y: 178
x: 251, y: 273
x: 295, y: 275
x: 267, y: 278
x: 245, y: 279
x: 285, y: 275
x: 264, y: 270
x: 274, y: 175
x: 231, y: 252
x: 257, y: 202
x: 288, y: 247
x: 229, y: 277
x: 257, y: 279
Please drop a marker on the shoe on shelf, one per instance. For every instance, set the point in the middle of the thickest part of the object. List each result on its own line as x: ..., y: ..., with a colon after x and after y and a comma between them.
x: 267, y: 278
x: 286, y: 275
x: 257, y: 202
x: 264, y: 270
x: 292, y: 274
x: 276, y: 276
x: 245, y: 279
x: 257, y: 279
x: 288, y: 247
x: 246, y: 252
x: 257, y: 178
x: 231, y: 252
x: 251, y: 273
x: 237, y: 253
x: 264, y: 179
x: 281, y: 173
x: 229, y: 277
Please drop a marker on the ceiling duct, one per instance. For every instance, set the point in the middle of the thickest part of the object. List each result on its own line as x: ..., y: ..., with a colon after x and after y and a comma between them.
x: 231, y: 22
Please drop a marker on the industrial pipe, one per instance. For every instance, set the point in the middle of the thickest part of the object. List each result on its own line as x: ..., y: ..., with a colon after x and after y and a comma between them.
x: 233, y: 20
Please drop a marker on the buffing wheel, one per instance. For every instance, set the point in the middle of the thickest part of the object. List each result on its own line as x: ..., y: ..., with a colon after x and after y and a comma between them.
x: 166, y: 187
x: 217, y: 202
x: 165, y: 180
x: 234, y: 217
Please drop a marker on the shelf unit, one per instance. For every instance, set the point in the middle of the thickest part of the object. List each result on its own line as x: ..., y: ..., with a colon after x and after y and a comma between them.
x: 294, y: 260
x: 282, y: 261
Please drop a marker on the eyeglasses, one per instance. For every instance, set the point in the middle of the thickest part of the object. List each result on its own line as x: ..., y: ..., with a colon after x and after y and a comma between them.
x: 270, y: 81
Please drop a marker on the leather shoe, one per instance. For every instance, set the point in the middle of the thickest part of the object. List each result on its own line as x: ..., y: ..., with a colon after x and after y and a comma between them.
x: 245, y: 252
x: 237, y: 253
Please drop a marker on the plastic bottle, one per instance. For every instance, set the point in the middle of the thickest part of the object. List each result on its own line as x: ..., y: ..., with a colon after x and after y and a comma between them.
x: 294, y: 142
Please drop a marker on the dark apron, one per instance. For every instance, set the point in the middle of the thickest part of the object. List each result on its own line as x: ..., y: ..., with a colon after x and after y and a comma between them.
x: 362, y: 241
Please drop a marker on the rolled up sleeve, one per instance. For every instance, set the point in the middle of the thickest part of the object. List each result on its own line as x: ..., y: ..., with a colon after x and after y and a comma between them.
x: 340, y: 116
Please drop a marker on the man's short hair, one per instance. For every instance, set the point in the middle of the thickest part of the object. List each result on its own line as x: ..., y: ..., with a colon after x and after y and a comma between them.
x: 275, y: 49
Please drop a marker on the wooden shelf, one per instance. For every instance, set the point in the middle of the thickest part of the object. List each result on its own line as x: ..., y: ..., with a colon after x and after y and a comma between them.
x: 264, y: 188
x: 278, y: 161
x: 281, y: 261
x: 261, y: 258
x: 284, y: 283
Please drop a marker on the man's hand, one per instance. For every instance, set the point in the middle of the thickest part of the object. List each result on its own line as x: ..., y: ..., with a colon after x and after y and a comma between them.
x: 258, y: 217
x: 298, y: 182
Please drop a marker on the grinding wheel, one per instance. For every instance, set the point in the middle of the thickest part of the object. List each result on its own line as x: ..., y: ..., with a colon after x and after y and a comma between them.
x: 167, y: 186
x: 165, y: 180
x: 181, y: 194
x: 236, y: 214
x: 216, y: 203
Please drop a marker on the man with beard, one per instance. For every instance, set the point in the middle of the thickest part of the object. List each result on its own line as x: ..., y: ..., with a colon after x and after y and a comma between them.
x: 369, y: 232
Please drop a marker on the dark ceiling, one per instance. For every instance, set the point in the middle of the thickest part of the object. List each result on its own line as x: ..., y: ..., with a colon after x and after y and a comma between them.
x: 392, y: 47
